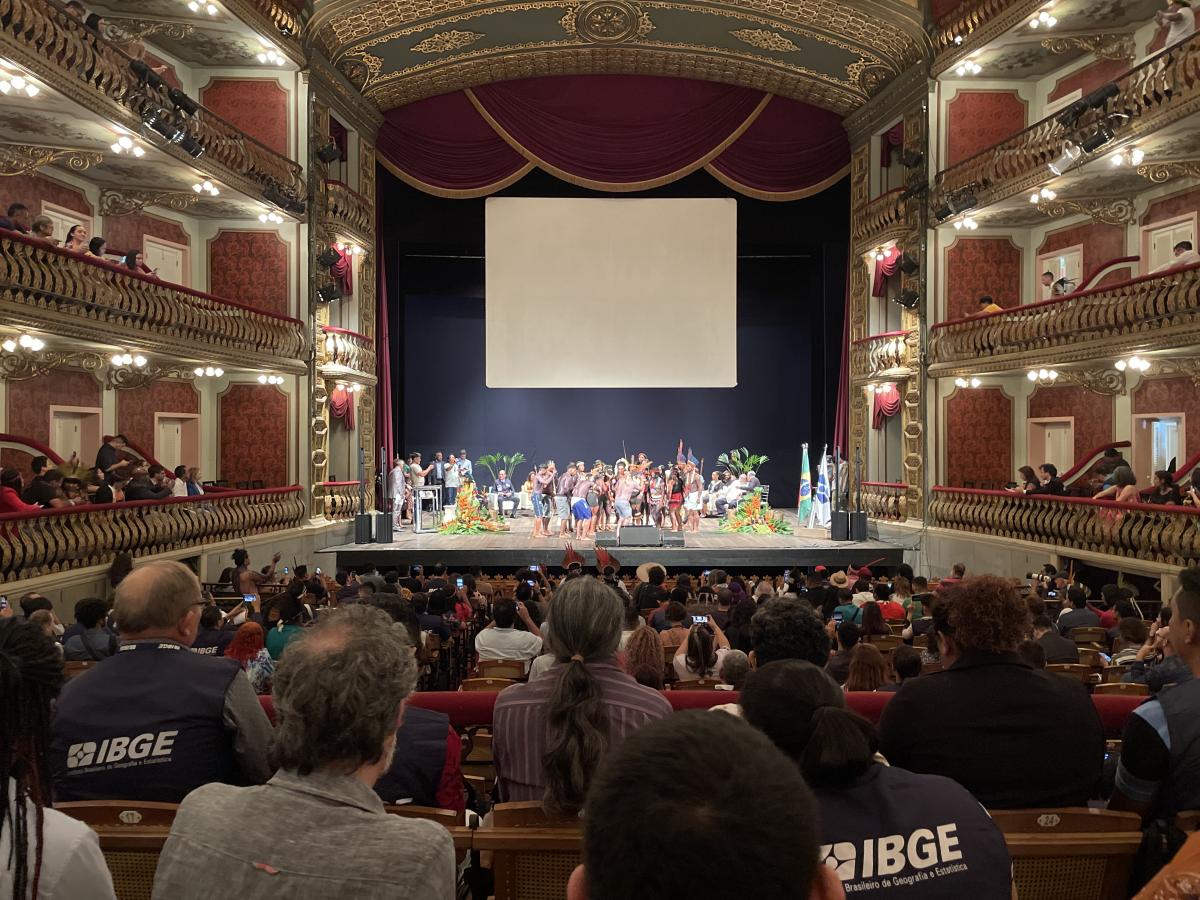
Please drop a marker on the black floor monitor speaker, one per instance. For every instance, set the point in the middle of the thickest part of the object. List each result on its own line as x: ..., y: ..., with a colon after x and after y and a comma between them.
x: 639, y: 536
x: 362, y: 528
x: 858, y: 526
x: 839, y: 527
x: 672, y: 539
x: 606, y: 539
x: 383, y: 528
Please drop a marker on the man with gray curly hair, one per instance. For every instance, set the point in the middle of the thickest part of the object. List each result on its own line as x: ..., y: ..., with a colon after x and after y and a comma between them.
x: 317, y: 829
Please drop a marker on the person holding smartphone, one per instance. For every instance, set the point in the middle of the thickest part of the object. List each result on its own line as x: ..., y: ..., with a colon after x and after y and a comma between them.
x: 701, y: 655
x: 502, y: 640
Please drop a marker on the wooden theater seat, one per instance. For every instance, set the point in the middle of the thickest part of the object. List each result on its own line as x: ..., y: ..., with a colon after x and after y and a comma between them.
x: 99, y: 814
x: 75, y: 668
x: 1079, y: 672
x: 132, y: 835
x: 501, y: 668
x: 1122, y: 687
x: 533, y: 854
x: 700, y: 684
x: 485, y: 684
x: 1089, y: 635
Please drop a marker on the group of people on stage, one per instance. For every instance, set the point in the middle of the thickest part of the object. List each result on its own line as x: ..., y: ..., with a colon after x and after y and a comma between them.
x: 580, y: 500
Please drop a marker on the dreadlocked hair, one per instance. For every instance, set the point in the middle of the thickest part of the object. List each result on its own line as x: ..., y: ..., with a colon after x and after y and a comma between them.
x: 31, y: 674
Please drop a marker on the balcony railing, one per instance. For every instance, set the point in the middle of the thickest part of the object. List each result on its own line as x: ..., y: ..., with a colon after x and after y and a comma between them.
x: 885, y: 500
x: 57, y: 47
x: 349, y: 211
x: 890, y: 353
x: 1123, y: 316
x: 45, y: 287
x: 340, y: 499
x: 347, y: 350
x: 284, y: 20
x: 1160, y: 91
x: 878, y: 217
x: 955, y: 28
x: 1163, y: 534
x: 54, y: 540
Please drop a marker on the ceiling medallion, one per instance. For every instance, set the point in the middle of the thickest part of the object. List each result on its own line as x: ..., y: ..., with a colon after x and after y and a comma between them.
x: 606, y: 22
x: 445, y: 41
x: 764, y: 39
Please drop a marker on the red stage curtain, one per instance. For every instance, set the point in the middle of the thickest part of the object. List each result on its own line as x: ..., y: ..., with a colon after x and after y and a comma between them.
x: 887, y: 403
x: 341, y: 404
x: 893, y: 137
x: 383, y: 370
x: 614, y: 132
x: 342, y: 272
x: 841, y: 421
x: 884, y: 269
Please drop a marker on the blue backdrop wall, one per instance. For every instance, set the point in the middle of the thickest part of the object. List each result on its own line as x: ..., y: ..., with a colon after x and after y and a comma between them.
x: 791, y: 301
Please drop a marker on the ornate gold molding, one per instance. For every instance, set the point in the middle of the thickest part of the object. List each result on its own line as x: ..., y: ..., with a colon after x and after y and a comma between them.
x: 1105, y: 210
x: 1104, y: 381
x: 22, y: 364
x: 445, y: 41
x: 124, y: 203
x: 1162, y: 170
x: 607, y: 22
x: 21, y: 159
x: 1187, y: 366
x: 1105, y: 46
x: 123, y: 378
x: 123, y: 30
x: 764, y: 39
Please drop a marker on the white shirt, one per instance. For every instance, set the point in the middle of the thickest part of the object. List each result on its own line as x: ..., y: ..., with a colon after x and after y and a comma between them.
x: 1186, y: 258
x: 683, y: 674
x: 72, y: 865
x: 179, y: 488
x: 396, y: 481
x: 452, y: 476
x: 507, y: 643
x: 1181, y: 30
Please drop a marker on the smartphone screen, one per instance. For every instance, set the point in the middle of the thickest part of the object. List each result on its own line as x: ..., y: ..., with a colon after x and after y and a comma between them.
x: 3, y: 603
x: 700, y: 620
x: 287, y: 571
x: 706, y: 571
x: 459, y: 582
x: 318, y: 570
x: 248, y: 599
x: 530, y: 582
x: 787, y: 573
x: 837, y: 618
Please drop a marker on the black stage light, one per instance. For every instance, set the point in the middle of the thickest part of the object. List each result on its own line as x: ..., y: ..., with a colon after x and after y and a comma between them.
x: 1101, y: 95
x: 160, y: 122
x: 1069, y: 116
x: 962, y: 202
x: 147, y: 75
x: 910, y: 159
x: 943, y: 212
x: 329, y: 292
x: 908, y: 299
x: 914, y: 190
x: 908, y: 264
x: 272, y: 194
x: 294, y: 206
x: 328, y: 257
x: 1097, y: 139
x: 191, y: 146
x: 329, y: 153
x: 183, y: 102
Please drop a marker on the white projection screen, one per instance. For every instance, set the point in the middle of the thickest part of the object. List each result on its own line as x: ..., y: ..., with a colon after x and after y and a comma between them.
x: 611, y: 293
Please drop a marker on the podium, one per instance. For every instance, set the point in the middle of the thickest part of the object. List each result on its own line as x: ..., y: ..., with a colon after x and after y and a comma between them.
x: 427, y: 508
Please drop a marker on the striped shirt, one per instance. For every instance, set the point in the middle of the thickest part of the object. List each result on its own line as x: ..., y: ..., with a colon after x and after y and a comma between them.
x: 519, y: 723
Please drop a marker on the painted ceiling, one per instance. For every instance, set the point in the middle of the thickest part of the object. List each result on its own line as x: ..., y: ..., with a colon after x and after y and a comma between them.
x: 831, y: 53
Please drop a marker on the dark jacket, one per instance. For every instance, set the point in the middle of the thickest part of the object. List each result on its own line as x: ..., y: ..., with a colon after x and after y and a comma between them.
x: 1058, y: 648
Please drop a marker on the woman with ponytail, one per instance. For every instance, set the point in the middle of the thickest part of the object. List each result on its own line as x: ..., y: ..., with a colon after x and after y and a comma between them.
x: 926, y: 833
x: 552, y: 732
x: 44, y: 855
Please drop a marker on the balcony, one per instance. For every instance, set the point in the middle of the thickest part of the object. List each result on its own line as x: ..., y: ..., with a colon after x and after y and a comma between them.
x: 349, y: 213
x: 56, y: 540
x: 893, y: 354
x: 339, y: 499
x: 42, y: 37
x: 47, y: 288
x: 1109, y: 321
x: 885, y: 501
x: 272, y: 17
x: 1163, y: 534
x: 879, y: 220
x: 973, y: 23
x: 1152, y: 96
x: 344, y: 352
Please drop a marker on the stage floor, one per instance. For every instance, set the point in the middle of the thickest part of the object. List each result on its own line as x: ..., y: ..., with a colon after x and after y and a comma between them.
x: 711, y: 548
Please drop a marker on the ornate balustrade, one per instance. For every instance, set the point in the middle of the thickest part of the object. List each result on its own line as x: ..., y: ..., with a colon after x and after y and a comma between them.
x: 885, y: 500
x: 340, y: 499
x: 347, y: 211
x: 346, y: 350
x: 1164, y: 534
x: 54, y: 540
x: 1160, y: 91
x: 43, y: 38
x: 877, y: 355
x: 45, y: 287
x: 973, y: 22
x: 878, y: 219
x: 1120, y: 317
x: 284, y: 21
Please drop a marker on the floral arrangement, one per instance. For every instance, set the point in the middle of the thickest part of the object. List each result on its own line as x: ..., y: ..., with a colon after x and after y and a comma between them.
x: 470, y: 514
x: 753, y: 516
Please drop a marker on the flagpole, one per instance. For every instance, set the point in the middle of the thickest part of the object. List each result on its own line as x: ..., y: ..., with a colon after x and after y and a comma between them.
x: 800, y: 492
x: 812, y: 515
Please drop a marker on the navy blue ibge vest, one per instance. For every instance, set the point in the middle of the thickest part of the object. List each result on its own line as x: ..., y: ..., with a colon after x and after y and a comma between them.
x: 145, y: 724
x: 420, y: 756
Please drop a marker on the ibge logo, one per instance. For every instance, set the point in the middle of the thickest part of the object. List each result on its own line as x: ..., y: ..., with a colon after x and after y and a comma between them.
x: 891, y: 854
x: 151, y: 745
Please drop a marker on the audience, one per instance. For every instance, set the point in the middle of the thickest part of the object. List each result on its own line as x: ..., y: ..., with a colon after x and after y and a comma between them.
x: 644, y: 657
x: 94, y: 642
x: 906, y: 663
x: 339, y: 693
x: 1055, y: 648
x: 501, y: 640
x: 981, y: 719
x: 735, y: 668
x: 1075, y: 613
x: 1033, y: 653
x: 701, y: 655
x: 195, y: 719
x: 249, y: 648
x: 868, y: 669
x: 848, y: 636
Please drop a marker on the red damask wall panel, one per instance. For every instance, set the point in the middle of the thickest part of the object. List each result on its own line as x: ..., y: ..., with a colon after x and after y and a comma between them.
x: 979, y: 438
x: 253, y: 435
x: 29, y: 405
x: 1171, y: 395
x: 250, y: 267
x: 1093, y: 414
x: 33, y: 190
x: 977, y: 266
x: 975, y: 120
x: 1170, y: 207
x: 1101, y: 243
x: 257, y: 106
x: 1089, y: 77
x: 136, y: 408
x: 124, y: 233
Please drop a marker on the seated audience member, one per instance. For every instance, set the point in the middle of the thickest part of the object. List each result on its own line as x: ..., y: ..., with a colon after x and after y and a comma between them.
x: 43, y: 230
x: 701, y: 654
x: 1156, y: 664
x: 1131, y: 635
x: 1159, y: 771
x: 1027, y: 481
x: 847, y: 610
x: 848, y: 636
x: 676, y: 632
x: 77, y: 239
x: 17, y: 218
x: 339, y: 694
x: 1049, y: 481
x: 293, y: 617
x: 872, y: 620
x: 987, y: 713
x: 112, y: 490
x: 788, y: 629
x: 426, y: 768
x: 347, y: 586
x: 725, y: 781
x: 502, y: 640
x: 739, y: 632
x: 868, y: 669
x: 11, y: 487
x: 155, y: 484
x: 631, y: 621
x: 650, y: 593
x: 430, y: 622
x: 1123, y: 488
x: 136, y: 262
x: 192, y: 482
x: 724, y: 608
x: 95, y: 642
x: 735, y: 667
x: 889, y: 600
x: 211, y: 639
x: 179, y: 487
x: 659, y: 620
x: 551, y: 733
x: 45, y: 488
x: 1165, y: 490
x: 97, y: 247
x: 864, y: 806
x: 436, y: 579
x: 195, y: 717
x: 1033, y: 653
x: 1058, y: 649
x: 906, y: 663
x: 249, y: 648
x: 44, y: 854
x: 1075, y: 613
x: 643, y: 658
x: 987, y: 305
x: 44, y: 619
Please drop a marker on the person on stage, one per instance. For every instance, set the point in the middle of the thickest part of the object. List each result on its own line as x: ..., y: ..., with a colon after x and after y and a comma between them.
x: 439, y: 474
x: 709, y: 498
x: 622, y: 496
x: 416, y: 479
x: 693, y: 486
x: 397, y: 488
x: 600, y: 491
x: 543, y: 499
x: 579, y: 503
x: 675, y: 478
x: 505, y: 491
x: 453, y: 481
x: 563, y: 488
x: 656, y: 497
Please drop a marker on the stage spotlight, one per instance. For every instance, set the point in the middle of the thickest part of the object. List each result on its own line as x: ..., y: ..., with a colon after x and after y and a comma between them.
x: 963, y: 202
x: 1097, y: 139
x: 183, y: 102
x: 908, y: 299
x: 147, y: 75
x: 910, y: 159
x: 1101, y: 95
x: 1070, y: 153
x: 329, y: 292
x: 160, y: 122
x: 1069, y: 116
x: 908, y: 264
x: 329, y: 153
x: 297, y: 207
x: 191, y: 146
x: 915, y: 190
x: 328, y: 257
x: 943, y: 212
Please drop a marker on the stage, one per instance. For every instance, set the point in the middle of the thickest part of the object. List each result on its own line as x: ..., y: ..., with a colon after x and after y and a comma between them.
x: 710, y: 549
